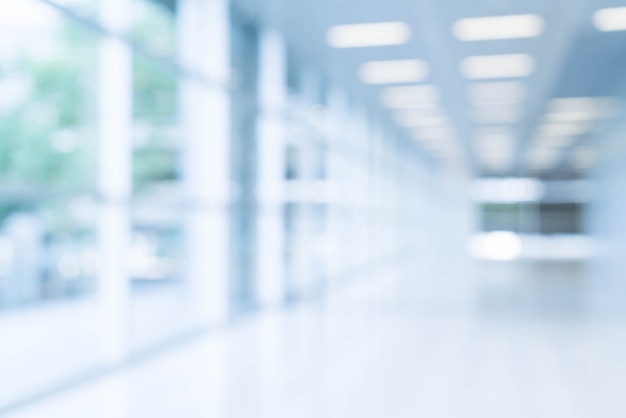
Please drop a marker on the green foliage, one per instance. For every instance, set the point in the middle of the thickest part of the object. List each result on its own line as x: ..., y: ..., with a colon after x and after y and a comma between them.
x: 59, y: 107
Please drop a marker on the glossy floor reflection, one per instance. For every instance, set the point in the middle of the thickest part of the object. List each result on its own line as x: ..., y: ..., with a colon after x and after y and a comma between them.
x: 513, y: 342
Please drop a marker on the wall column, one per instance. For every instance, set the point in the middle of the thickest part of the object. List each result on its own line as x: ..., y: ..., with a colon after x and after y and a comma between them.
x: 114, y: 180
x: 204, y: 43
x: 271, y: 287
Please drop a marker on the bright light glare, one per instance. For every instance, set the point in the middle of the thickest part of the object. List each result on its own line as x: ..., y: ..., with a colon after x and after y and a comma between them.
x: 496, y: 92
x: 611, y: 19
x: 507, y: 190
x: 497, y: 246
x: 498, y: 27
x: 404, y: 97
x: 27, y: 14
x: 498, y: 66
x: 368, y: 34
x: 396, y: 71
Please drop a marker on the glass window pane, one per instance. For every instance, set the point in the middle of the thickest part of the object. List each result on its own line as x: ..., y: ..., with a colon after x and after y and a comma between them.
x: 154, y: 27
x: 47, y: 155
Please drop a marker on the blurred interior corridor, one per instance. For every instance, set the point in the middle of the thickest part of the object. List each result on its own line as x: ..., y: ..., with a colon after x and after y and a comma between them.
x: 297, y: 208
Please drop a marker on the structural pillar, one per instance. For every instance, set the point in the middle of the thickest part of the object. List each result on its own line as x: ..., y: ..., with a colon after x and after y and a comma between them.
x: 114, y: 180
x: 271, y: 286
x: 204, y: 50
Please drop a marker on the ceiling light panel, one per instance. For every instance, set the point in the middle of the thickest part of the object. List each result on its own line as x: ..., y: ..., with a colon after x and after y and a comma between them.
x: 392, y: 72
x: 498, y: 27
x: 406, y: 97
x: 593, y: 106
x: 368, y: 35
x: 611, y: 19
x: 569, y: 117
x: 498, y: 66
x: 564, y: 129
x: 497, y: 92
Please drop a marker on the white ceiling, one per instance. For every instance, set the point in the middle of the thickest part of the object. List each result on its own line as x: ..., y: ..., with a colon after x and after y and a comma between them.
x: 573, y: 58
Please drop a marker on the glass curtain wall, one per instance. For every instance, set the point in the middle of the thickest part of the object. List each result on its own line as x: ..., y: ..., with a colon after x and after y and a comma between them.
x: 131, y: 206
x: 47, y: 155
x: 48, y: 198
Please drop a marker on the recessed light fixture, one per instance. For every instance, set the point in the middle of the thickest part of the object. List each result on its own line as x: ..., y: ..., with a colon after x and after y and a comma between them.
x: 564, y: 129
x: 569, y: 116
x: 497, y: 92
x: 368, y: 34
x: 395, y: 71
x: 596, y: 106
x: 498, y: 27
x: 405, y: 97
x: 611, y: 19
x: 498, y: 66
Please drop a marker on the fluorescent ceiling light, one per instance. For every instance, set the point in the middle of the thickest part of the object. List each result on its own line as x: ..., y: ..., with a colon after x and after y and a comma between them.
x: 498, y: 66
x: 594, y: 106
x: 611, y: 19
x: 564, y: 129
x: 396, y: 71
x: 494, y: 114
x: 368, y: 34
x: 498, y: 27
x: 569, y: 117
x: 405, y: 97
x: 496, y: 92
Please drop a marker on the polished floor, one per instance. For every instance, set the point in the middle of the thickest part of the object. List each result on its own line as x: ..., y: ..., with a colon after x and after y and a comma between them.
x: 500, y: 341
